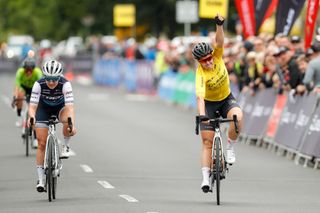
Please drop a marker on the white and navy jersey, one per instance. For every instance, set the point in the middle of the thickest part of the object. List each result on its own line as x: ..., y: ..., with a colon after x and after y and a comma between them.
x: 60, y: 95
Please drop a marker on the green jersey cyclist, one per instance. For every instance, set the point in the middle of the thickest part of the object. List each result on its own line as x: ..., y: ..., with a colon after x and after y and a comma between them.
x: 51, y: 95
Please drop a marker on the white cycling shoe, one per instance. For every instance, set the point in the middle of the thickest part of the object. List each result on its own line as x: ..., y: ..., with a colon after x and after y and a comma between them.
x: 40, y: 185
x: 205, y: 186
x: 65, y: 152
x: 230, y: 155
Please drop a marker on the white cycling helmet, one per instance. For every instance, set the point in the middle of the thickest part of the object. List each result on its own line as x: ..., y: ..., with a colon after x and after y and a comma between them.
x: 52, y: 68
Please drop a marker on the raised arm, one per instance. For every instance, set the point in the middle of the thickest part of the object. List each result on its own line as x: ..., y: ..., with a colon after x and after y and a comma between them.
x: 219, y: 32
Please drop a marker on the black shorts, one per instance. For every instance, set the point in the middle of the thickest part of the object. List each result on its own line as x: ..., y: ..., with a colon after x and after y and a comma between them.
x: 27, y: 92
x: 223, y: 107
x: 45, y: 112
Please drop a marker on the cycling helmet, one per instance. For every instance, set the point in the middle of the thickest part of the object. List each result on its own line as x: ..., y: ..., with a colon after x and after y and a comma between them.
x: 52, y: 68
x: 29, y: 63
x: 201, y: 50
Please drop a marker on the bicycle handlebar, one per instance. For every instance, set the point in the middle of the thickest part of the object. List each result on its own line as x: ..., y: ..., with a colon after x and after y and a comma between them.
x: 200, y: 118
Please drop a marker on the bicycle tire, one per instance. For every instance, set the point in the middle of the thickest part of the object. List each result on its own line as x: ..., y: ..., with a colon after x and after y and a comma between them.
x: 49, y: 169
x: 217, y: 168
x: 54, y: 178
x: 26, y: 134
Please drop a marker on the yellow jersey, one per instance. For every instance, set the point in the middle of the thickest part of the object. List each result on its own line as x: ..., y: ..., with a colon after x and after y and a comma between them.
x: 213, y: 84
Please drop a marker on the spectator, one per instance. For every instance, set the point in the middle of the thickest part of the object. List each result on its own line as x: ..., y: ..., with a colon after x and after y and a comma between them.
x: 312, y: 76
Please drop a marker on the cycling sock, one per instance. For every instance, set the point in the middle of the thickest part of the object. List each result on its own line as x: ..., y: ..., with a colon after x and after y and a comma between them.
x: 230, y: 143
x: 19, y: 112
x: 66, y: 141
x: 40, y: 171
x: 205, y: 173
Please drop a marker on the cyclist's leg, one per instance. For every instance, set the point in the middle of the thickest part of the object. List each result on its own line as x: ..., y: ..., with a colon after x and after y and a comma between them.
x: 19, y: 102
x: 231, y: 132
x: 228, y: 109
x: 42, y: 134
x: 65, y: 112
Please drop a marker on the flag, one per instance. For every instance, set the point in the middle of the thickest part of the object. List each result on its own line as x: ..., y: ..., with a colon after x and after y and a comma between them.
x: 312, y: 11
x: 287, y: 13
x: 263, y: 10
x: 246, y: 12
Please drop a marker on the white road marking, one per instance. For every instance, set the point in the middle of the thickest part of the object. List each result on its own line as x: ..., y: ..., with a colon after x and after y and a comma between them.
x: 136, y: 97
x: 129, y: 198
x: 105, y: 184
x: 86, y: 168
x: 98, y: 96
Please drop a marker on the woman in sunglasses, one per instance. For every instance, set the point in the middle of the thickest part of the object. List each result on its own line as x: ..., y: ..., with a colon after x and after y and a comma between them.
x: 51, y: 95
x: 214, y: 94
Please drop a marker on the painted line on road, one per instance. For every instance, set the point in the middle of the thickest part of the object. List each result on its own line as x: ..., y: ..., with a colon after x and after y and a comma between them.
x: 86, y: 168
x: 105, y: 184
x: 129, y: 198
x: 98, y: 96
x: 131, y: 97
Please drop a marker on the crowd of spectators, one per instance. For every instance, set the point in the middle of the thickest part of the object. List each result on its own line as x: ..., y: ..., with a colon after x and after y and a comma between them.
x: 258, y: 62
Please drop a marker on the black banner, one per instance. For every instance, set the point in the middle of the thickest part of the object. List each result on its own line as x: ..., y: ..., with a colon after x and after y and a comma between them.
x: 295, y: 117
x: 261, y: 112
x: 311, y: 145
x: 286, y: 15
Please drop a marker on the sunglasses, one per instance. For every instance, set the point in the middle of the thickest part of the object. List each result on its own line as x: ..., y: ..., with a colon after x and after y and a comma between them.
x: 205, y: 60
x: 52, y: 78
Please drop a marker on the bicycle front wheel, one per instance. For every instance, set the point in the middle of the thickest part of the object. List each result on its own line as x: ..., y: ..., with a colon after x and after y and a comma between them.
x: 50, y: 168
x: 217, y: 147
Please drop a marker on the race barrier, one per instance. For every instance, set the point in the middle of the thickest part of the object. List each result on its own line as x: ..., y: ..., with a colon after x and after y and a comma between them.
x: 291, y: 124
x: 78, y: 64
x: 134, y: 76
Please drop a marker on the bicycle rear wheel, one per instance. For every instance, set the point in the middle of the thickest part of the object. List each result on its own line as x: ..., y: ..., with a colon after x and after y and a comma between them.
x: 217, y: 168
x: 50, y: 168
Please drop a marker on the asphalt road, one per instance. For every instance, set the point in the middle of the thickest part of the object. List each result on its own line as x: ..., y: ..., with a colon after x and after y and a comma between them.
x: 138, y: 154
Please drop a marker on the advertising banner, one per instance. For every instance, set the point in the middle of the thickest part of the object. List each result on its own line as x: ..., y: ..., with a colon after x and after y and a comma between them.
x: 245, y: 10
x: 209, y: 8
x: 295, y: 117
x: 287, y: 13
x: 263, y: 10
x: 312, y: 12
x: 275, y: 116
x: 261, y: 112
x: 311, y: 144
x: 124, y: 15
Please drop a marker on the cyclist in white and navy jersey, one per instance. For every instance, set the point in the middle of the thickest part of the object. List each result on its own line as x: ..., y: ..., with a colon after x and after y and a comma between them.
x: 51, y: 95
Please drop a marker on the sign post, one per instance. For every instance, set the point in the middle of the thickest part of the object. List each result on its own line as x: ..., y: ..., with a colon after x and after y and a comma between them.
x: 187, y: 13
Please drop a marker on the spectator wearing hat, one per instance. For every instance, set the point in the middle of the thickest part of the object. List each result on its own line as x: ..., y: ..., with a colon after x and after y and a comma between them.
x: 297, y: 45
x: 288, y: 67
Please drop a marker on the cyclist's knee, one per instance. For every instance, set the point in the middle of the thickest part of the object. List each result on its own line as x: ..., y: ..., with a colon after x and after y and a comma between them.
x: 207, y: 143
x: 41, y: 144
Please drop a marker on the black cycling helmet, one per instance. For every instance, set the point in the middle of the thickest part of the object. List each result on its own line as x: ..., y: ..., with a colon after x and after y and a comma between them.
x: 201, y: 50
x: 29, y: 63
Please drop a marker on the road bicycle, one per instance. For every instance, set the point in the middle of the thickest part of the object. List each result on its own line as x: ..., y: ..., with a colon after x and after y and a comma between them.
x: 26, y: 138
x: 52, y: 161
x: 219, y: 166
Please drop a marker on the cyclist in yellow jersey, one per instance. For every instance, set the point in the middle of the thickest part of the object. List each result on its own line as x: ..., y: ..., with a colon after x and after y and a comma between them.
x: 214, y: 94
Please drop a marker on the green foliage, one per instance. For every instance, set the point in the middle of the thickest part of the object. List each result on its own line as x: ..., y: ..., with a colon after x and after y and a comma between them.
x: 59, y: 19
